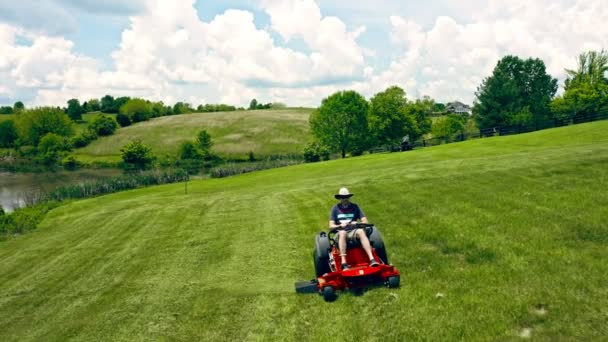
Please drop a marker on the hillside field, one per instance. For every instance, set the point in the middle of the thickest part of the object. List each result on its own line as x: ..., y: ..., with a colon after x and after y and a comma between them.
x: 496, y: 239
x: 264, y: 132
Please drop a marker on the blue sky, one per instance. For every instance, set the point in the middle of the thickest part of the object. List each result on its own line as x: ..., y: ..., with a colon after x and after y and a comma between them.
x: 292, y: 51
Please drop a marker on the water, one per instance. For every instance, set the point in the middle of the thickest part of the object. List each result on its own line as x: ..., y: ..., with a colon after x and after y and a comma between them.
x: 15, y: 188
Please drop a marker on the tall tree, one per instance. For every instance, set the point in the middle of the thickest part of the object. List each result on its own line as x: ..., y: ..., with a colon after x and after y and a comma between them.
x: 514, y: 85
x: 340, y: 123
x: 253, y: 104
x: 586, y: 89
x: 592, y: 69
x: 18, y: 106
x: 74, y: 110
x: 108, y: 105
x: 389, y: 121
x: 420, y: 111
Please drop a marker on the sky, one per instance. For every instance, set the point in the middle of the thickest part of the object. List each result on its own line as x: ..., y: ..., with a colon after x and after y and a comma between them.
x: 292, y: 51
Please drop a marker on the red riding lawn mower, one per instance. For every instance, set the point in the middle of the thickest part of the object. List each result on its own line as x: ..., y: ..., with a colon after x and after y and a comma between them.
x: 331, y: 278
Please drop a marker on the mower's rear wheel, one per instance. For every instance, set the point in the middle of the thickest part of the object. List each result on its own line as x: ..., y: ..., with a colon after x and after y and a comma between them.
x: 375, y: 237
x: 393, y: 282
x: 329, y: 294
x: 321, y: 254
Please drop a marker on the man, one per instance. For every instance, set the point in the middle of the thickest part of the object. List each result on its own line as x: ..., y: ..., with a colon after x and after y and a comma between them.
x: 344, y: 214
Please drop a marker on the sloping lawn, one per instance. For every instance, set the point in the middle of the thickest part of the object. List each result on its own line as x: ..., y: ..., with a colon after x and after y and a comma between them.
x: 496, y: 239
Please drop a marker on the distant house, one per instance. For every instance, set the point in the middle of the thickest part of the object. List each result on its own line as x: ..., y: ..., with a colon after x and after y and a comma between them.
x: 458, y: 108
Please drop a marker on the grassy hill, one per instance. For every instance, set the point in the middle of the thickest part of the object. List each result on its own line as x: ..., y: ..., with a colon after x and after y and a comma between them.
x: 495, y: 238
x: 265, y: 132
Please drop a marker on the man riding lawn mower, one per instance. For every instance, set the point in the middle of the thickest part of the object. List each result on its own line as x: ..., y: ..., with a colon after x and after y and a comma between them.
x: 359, y: 249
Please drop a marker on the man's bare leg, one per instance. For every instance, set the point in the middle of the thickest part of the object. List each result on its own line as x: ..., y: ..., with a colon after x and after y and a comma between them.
x: 365, y: 243
x: 342, y: 245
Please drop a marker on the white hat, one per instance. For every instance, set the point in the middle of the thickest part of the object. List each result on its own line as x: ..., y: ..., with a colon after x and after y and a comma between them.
x: 343, y: 193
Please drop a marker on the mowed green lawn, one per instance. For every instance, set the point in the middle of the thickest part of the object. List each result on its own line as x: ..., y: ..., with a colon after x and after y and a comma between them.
x: 495, y: 238
x: 264, y: 132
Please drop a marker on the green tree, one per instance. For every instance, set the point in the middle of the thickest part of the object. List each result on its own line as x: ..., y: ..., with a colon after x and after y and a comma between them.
x: 6, y: 110
x: 253, y: 104
x: 592, y: 69
x: 103, y: 125
x: 182, y: 108
x: 18, y: 106
x: 204, y: 141
x: 136, y: 110
x: 108, y: 104
x: 388, y: 119
x: 8, y: 134
x: 93, y: 105
x: 33, y: 124
x: 340, y: 123
x: 74, y: 110
x: 420, y: 111
x: 586, y: 89
x: 447, y: 126
x: 137, y: 154
x: 514, y: 85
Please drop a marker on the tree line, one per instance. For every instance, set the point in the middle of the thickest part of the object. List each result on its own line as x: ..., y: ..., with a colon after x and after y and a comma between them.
x: 519, y: 92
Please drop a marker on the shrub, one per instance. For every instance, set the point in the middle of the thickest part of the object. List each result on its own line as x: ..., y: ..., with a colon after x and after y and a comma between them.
x: 103, y: 125
x: 70, y: 163
x: 314, y: 152
x: 25, y: 219
x: 83, y: 139
x: 123, y: 120
x: 137, y: 154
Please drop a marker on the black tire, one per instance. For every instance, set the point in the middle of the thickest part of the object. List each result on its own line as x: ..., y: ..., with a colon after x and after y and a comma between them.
x: 393, y: 282
x: 321, y: 254
x: 375, y: 238
x: 329, y: 294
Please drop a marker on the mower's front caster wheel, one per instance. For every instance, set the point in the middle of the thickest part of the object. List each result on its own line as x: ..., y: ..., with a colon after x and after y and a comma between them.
x: 329, y: 294
x: 393, y: 282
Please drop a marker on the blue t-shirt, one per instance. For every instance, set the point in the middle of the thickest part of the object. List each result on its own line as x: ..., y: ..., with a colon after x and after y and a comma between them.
x: 351, y: 212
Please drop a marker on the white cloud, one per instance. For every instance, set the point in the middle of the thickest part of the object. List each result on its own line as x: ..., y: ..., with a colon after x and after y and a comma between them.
x: 450, y: 60
x: 168, y: 53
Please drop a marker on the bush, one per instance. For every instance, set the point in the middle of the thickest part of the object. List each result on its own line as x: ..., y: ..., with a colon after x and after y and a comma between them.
x: 188, y: 150
x: 70, y: 163
x: 137, y: 154
x: 24, y: 219
x: 83, y: 139
x: 314, y: 152
x: 8, y: 134
x: 123, y: 120
x: 103, y: 125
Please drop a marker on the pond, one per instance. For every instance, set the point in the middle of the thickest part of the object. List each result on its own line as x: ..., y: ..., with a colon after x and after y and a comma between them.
x: 16, y: 188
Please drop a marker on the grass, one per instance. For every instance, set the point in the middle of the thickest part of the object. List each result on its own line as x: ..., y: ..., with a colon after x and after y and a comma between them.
x: 5, y: 117
x: 265, y: 132
x: 495, y: 238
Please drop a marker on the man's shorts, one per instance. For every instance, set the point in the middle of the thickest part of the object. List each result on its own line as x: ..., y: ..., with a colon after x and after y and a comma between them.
x: 351, y: 236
